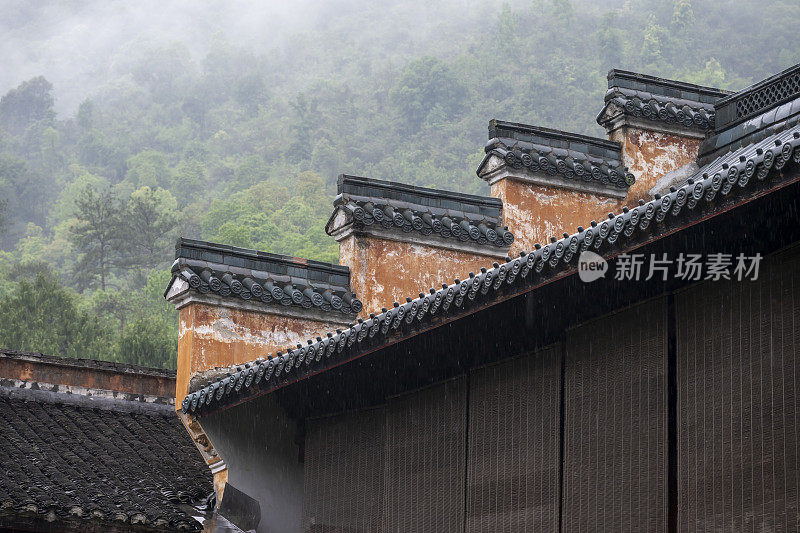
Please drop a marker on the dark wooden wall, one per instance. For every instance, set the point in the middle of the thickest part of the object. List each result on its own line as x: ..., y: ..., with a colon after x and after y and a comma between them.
x: 615, y: 422
x: 425, y: 453
x: 513, y: 453
x: 678, y: 414
x: 738, y: 348
x: 344, y: 473
x: 496, y: 472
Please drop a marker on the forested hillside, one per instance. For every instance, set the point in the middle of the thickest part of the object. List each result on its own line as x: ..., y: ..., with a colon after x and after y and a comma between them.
x: 240, y: 141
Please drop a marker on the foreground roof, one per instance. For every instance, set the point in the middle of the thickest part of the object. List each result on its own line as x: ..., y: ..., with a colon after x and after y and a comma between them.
x: 78, y: 459
x: 692, y: 201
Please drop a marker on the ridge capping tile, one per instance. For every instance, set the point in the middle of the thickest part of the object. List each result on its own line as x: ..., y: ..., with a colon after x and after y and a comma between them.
x: 202, y: 280
x: 428, y: 207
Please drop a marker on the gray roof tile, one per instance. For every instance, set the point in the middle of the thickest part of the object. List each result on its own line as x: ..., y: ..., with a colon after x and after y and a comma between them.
x: 557, y: 152
x: 252, y: 271
x: 109, y: 468
x: 428, y: 208
x: 608, y: 236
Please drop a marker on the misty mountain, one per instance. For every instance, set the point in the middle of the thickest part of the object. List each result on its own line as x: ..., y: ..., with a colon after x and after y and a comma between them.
x: 124, y: 125
x: 81, y: 46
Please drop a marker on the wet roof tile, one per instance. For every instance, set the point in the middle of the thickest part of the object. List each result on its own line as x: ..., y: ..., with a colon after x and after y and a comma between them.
x: 101, y: 466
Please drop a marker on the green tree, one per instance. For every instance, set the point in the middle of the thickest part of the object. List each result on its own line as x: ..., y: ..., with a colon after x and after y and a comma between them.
x: 117, y: 306
x: 148, y: 344
x: 30, y: 102
x: 76, y: 182
x: 250, y: 91
x: 43, y: 316
x: 683, y: 16
x: 85, y: 115
x: 96, y: 234
x: 166, y: 71
x: 24, y: 189
x: 252, y: 170
x: 654, y: 40
x: 235, y: 234
x: 3, y: 215
x: 506, y: 39
x: 563, y: 11
x: 425, y: 84
x: 188, y: 181
x: 148, y: 168
x: 149, y: 218
x: 13, y: 180
x: 151, y: 338
x: 712, y: 75
x: 610, y: 39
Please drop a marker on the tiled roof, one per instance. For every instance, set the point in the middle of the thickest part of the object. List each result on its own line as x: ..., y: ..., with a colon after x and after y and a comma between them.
x: 692, y: 201
x: 569, y: 155
x: 659, y: 100
x: 754, y: 114
x: 383, y: 204
x: 250, y: 275
x: 765, y: 151
x: 92, y: 465
x: 758, y: 98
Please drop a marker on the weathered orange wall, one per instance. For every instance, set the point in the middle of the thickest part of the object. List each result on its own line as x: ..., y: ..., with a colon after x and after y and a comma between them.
x: 213, y: 336
x: 87, y: 373
x: 384, y: 271
x: 220, y: 479
x: 649, y: 155
x: 534, y: 213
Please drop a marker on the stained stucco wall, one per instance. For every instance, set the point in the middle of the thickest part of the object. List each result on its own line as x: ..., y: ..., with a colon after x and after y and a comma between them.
x: 384, y: 271
x: 534, y: 213
x: 87, y: 373
x: 213, y: 336
x: 649, y: 155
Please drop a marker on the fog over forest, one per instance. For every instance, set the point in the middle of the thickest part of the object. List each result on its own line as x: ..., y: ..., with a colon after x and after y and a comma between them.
x: 124, y: 125
x: 80, y: 46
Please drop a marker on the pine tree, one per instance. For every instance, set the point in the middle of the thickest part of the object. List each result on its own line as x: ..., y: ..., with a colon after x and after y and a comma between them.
x: 96, y: 234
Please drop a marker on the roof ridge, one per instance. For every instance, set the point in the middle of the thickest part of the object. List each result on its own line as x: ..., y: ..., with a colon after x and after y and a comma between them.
x: 258, y: 278
x: 184, y: 244
x: 570, y: 157
x: 498, y: 126
x: 126, y: 404
x: 732, y: 95
x: 656, y: 82
x: 95, y: 364
x: 349, y: 184
x: 270, y: 373
x: 758, y: 98
x: 482, y: 228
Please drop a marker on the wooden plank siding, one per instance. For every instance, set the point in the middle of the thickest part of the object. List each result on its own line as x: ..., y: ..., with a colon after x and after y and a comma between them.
x: 615, y: 422
x: 514, y: 449
x: 344, y: 473
x: 425, y: 457
x: 738, y: 374
x: 658, y: 417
